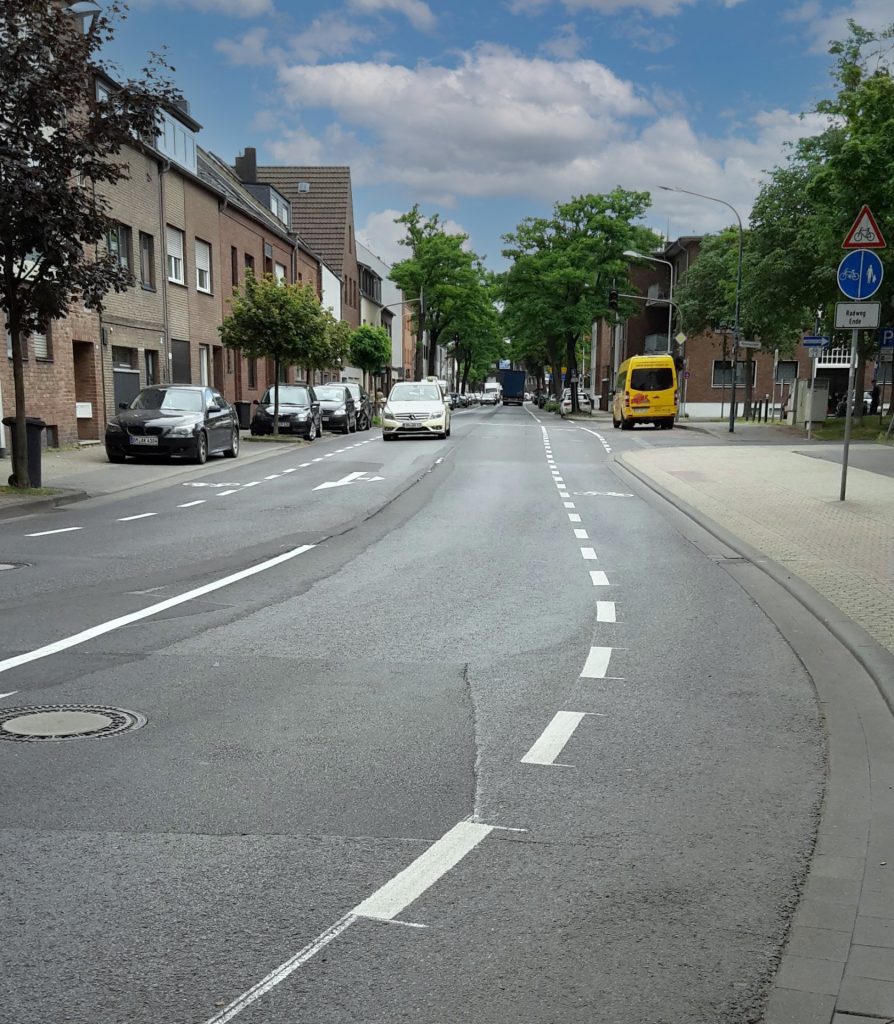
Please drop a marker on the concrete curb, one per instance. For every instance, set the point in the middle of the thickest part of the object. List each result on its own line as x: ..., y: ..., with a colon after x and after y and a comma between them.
x: 875, y: 659
x: 25, y: 506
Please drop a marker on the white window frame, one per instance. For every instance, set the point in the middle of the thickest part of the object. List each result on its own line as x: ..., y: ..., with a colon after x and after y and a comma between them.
x: 203, y: 266
x: 41, y: 345
x: 174, y: 263
x: 279, y: 271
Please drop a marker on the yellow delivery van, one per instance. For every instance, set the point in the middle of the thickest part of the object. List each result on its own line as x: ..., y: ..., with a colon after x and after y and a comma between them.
x: 645, y: 392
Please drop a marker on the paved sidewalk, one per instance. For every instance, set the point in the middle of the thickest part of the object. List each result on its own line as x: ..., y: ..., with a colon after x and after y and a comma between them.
x: 781, y: 510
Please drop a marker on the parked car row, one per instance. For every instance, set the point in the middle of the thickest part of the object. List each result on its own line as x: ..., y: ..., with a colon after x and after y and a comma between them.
x: 194, y: 422
x: 308, y: 410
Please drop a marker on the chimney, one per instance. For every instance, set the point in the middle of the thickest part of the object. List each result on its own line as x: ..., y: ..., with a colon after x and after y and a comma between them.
x: 247, y: 166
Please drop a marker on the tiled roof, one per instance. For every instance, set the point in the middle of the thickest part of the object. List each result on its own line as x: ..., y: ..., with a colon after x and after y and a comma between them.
x: 214, y: 172
x: 320, y: 214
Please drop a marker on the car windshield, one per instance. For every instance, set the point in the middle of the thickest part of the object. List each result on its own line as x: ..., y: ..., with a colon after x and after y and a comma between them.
x: 655, y: 379
x: 415, y: 393
x: 169, y: 399
x: 354, y: 389
x: 287, y: 396
x: 331, y: 394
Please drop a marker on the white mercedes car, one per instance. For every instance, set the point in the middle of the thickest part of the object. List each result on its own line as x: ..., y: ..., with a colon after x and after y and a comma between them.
x: 415, y: 408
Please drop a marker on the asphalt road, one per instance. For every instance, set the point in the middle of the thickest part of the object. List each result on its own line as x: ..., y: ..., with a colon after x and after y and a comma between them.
x: 484, y: 738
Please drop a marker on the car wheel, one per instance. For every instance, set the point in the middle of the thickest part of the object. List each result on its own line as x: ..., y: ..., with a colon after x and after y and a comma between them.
x: 116, y: 456
x: 312, y: 430
x: 202, y: 448
x: 626, y: 424
x: 615, y: 423
x: 233, y: 450
x: 448, y: 432
x: 346, y: 429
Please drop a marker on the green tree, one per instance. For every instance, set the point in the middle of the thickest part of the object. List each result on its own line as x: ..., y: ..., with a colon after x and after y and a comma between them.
x: 477, y: 334
x: 56, y: 146
x: 803, y: 213
x: 370, y: 348
x: 561, y: 272
x: 275, y: 320
x: 435, y: 278
x: 334, y: 347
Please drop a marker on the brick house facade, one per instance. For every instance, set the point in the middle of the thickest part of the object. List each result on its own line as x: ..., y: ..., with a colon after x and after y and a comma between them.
x: 705, y: 386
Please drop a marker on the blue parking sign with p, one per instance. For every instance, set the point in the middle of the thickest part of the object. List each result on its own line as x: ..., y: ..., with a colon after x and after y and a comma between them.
x: 886, y: 337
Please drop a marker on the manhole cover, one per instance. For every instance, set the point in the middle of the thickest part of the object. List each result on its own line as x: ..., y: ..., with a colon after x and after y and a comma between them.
x: 65, y: 721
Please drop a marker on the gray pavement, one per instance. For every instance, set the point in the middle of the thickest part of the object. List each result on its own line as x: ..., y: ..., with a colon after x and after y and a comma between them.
x: 313, y: 728
x: 779, y: 510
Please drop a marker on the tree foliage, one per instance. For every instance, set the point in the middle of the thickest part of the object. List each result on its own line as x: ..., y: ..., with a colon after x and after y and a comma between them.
x: 58, y: 149
x: 275, y: 320
x: 562, y: 269
x: 436, y: 278
x: 370, y: 348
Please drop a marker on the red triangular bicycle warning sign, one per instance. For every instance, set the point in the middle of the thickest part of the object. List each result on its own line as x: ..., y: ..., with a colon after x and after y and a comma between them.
x: 865, y: 233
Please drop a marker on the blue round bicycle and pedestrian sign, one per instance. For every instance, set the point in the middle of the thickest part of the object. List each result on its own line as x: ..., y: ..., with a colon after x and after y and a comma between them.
x: 860, y: 274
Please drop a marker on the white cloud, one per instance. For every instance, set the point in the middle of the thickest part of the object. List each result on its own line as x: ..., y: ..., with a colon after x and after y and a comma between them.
x: 249, y: 48
x: 826, y: 24
x: 656, y: 8
x: 233, y: 8
x: 498, y: 124
x: 417, y: 12
x: 566, y: 44
x: 382, y: 236
x: 330, y: 35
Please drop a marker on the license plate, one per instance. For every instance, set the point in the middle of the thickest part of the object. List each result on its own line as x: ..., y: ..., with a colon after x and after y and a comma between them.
x: 412, y: 426
x: 145, y: 440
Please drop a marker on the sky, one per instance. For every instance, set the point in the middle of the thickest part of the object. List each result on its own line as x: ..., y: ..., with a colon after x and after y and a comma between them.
x: 489, y: 112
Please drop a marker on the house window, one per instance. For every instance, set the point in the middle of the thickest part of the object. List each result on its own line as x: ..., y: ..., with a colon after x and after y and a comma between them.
x: 234, y: 266
x: 174, y: 240
x: 721, y: 375
x: 9, y: 347
x: 41, y: 343
x: 203, y: 266
x: 118, y: 244
x: 786, y: 371
x: 151, y: 358
x: 147, y: 261
x: 229, y: 352
x: 279, y: 271
x: 252, y: 372
x: 249, y: 263
x: 123, y: 358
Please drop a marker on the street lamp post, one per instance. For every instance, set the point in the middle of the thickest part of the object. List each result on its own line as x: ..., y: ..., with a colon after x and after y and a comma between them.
x: 723, y: 202
x: 633, y: 254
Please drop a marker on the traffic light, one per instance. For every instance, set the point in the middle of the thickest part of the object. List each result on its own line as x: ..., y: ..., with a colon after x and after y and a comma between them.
x: 613, y: 299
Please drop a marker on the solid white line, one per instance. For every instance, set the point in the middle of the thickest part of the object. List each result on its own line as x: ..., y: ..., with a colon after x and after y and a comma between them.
x: 11, y: 693
x: 573, y: 517
x: 223, y: 494
x: 589, y: 554
x: 581, y: 534
x: 190, y: 504
x: 142, y: 515
x: 568, y: 504
x: 553, y: 738
x: 273, y: 476
x: 599, y: 579
x: 46, y: 533
x: 605, y: 611
x: 414, y: 880
x: 145, y: 613
x: 596, y: 664
x: 282, y: 972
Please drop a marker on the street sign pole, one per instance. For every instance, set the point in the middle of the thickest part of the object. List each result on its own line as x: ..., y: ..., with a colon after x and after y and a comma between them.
x: 813, y: 356
x: 849, y: 415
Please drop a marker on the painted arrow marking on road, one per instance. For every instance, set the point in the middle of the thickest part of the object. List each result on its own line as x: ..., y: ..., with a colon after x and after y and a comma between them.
x: 349, y: 479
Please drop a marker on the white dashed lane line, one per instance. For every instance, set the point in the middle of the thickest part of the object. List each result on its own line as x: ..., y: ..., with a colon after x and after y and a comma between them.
x: 143, y: 515
x: 192, y: 504
x: 605, y: 611
x: 581, y: 535
x: 596, y: 665
x: 599, y: 578
x: 589, y: 554
x: 223, y: 494
x: 47, y: 533
x: 553, y: 738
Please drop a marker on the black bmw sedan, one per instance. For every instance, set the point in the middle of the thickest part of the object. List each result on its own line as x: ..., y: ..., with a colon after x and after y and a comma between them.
x: 337, y: 407
x: 299, y: 412
x: 174, y: 419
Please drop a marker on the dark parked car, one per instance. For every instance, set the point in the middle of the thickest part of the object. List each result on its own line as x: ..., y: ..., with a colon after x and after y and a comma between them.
x: 337, y: 408
x: 362, y: 405
x: 299, y: 412
x: 174, y: 419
